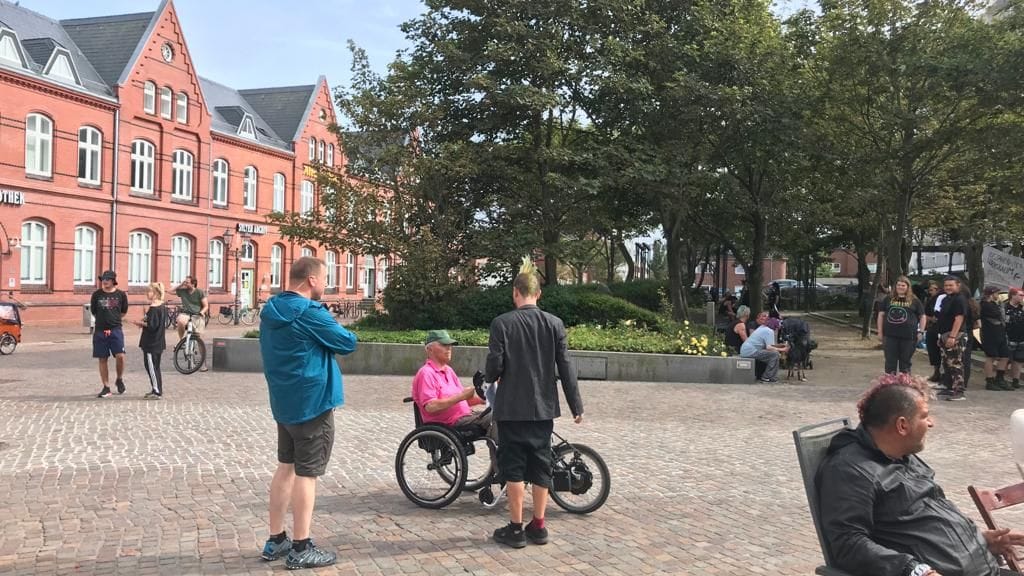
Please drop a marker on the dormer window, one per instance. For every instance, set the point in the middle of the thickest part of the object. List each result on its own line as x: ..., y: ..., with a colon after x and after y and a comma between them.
x: 10, y: 49
x: 247, y: 129
x: 61, y: 67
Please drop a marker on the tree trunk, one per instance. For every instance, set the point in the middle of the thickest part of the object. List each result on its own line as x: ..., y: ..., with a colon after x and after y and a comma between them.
x: 551, y: 239
x: 863, y: 274
x: 973, y: 265
x: 869, y: 302
x: 610, y: 260
x: 626, y: 256
x: 755, y: 273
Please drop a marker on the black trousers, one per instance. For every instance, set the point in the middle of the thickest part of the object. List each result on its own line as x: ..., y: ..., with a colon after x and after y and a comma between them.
x: 151, y: 360
x: 931, y: 340
x: 899, y: 354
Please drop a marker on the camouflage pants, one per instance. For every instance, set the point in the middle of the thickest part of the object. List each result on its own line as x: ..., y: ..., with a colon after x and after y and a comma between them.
x: 953, y: 363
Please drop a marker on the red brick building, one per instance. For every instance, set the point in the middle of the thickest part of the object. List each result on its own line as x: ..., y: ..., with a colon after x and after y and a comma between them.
x: 115, y: 153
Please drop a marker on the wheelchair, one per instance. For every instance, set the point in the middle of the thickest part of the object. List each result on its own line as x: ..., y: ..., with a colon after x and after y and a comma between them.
x: 435, y: 464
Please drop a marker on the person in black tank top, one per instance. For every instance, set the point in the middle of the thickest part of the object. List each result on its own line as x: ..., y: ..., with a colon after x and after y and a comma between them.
x: 736, y: 333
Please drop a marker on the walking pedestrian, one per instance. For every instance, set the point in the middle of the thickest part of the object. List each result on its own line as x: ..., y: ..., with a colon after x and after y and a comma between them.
x: 152, y: 340
x: 1014, y: 314
x: 952, y: 326
x: 298, y: 340
x: 901, y: 322
x: 524, y: 350
x: 108, y: 306
x: 993, y: 341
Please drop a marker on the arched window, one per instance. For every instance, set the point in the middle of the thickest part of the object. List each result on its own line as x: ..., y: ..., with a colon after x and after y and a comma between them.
x: 312, y: 149
x: 85, y: 255
x: 350, y: 271
x: 279, y: 184
x: 181, y: 259
x: 216, y: 259
x: 181, y: 175
x: 140, y: 258
x: 330, y: 154
x: 90, y: 148
x: 331, y: 260
x: 307, y: 252
x: 220, y: 182
x: 142, y: 166
x: 165, y: 102
x: 149, y: 98
x: 248, y: 251
x: 249, y: 179
x: 181, y: 108
x: 34, y: 250
x: 306, y: 197
x: 38, y: 145
x: 276, y: 255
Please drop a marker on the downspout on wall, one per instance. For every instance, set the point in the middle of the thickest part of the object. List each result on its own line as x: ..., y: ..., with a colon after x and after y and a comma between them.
x: 113, y: 192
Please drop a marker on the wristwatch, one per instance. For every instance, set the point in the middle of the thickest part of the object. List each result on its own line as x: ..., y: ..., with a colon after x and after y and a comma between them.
x: 920, y: 570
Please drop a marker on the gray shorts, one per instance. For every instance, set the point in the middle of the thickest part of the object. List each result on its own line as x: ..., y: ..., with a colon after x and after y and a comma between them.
x: 1016, y: 351
x: 307, y: 445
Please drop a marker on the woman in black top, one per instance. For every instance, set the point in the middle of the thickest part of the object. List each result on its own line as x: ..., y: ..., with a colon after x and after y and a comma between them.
x: 993, y: 341
x: 1014, y: 318
x: 152, y: 340
x: 931, y: 335
x: 736, y: 333
x: 901, y: 323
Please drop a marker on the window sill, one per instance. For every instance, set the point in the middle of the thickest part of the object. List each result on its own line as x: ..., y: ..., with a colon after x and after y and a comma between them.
x: 90, y: 185
x: 143, y: 194
x: 35, y: 289
x: 43, y: 177
x: 184, y: 201
x: 331, y: 291
x: 135, y: 290
x: 220, y: 206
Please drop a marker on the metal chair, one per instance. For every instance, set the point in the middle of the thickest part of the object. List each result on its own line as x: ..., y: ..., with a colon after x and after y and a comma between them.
x: 1017, y: 438
x: 811, y: 446
x: 989, y: 501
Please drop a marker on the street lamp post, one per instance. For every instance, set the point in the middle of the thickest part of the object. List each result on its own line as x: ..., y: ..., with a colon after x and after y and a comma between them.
x: 229, y: 236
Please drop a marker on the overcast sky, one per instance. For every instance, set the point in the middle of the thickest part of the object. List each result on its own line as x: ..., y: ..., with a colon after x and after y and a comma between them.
x: 261, y: 43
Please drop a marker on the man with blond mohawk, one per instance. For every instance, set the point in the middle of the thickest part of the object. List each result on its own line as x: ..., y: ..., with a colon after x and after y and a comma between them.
x: 526, y: 346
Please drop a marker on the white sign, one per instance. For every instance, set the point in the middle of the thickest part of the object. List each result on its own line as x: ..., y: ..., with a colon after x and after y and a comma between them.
x: 15, y: 197
x: 10, y: 282
x: 251, y: 228
x: 1002, y: 269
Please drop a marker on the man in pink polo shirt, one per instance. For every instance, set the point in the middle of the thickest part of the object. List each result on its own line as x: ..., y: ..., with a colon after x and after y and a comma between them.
x: 440, y: 396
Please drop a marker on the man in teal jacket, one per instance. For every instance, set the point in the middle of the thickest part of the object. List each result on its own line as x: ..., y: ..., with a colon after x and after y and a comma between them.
x: 298, y: 341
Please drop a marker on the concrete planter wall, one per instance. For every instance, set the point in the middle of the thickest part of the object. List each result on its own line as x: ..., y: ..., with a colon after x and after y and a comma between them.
x: 243, y: 355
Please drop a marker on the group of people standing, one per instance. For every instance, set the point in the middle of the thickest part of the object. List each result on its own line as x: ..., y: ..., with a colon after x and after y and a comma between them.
x: 946, y: 322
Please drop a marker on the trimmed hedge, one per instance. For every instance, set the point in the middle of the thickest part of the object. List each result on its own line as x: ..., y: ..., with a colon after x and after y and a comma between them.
x: 643, y: 293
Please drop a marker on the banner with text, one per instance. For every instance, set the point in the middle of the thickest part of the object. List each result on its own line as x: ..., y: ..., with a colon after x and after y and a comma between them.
x: 1002, y: 269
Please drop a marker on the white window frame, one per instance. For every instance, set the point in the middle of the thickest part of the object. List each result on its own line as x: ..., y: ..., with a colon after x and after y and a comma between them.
x: 279, y: 192
x: 38, y: 145
x: 739, y: 271
x: 216, y: 264
x: 63, y: 73
x: 142, y: 166
x: 350, y: 271
x: 166, y: 98
x: 837, y: 267
x: 86, y: 238
x: 149, y: 97
x: 247, y: 253
x: 140, y: 258
x: 276, y: 257
x: 312, y: 148
x: 382, y: 274
x: 181, y: 174
x: 247, y: 128
x: 221, y: 179
x: 320, y: 151
x: 307, y: 252
x: 306, y: 198
x: 250, y: 181
x: 330, y: 154
x: 35, y: 249
x: 181, y: 107
x: 90, y: 155
x: 181, y: 259
x: 10, y: 38
x: 331, y: 261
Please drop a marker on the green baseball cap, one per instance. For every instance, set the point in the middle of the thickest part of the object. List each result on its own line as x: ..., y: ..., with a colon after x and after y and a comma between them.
x: 441, y: 336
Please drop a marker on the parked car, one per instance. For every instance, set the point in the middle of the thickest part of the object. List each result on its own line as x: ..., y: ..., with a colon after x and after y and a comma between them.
x: 789, y: 287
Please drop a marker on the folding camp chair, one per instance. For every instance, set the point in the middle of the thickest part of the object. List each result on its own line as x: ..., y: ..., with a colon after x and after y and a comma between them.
x: 1017, y: 438
x: 989, y: 501
x: 811, y: 446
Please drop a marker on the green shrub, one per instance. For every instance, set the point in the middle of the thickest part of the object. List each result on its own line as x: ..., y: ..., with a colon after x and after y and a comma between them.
x: 251, y: 334
x: 643, y: 293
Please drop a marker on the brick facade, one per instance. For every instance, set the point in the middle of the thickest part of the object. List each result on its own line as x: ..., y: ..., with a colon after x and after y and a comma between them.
x: 120, y: 217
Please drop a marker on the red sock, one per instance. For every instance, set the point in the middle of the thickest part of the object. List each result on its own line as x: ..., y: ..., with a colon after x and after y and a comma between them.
x: 536, y: 523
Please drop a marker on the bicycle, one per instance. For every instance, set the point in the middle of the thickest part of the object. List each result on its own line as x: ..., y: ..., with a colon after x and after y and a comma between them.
x: 190, y: 352
x: 246, y: 315
x: 171, y: 317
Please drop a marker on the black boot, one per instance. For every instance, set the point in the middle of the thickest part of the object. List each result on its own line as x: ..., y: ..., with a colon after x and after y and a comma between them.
x: 990, y: 384
x: 935, y: 375
x: 1001, y: 380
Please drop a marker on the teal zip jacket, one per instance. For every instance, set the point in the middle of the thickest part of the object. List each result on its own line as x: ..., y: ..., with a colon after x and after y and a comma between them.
x: 298, y: 341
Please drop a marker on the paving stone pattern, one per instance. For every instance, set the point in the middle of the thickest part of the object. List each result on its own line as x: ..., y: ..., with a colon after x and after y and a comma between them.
x: 704, y: 477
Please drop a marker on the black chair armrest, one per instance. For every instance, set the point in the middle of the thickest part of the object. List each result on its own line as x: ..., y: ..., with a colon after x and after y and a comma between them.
x: 826, y: 571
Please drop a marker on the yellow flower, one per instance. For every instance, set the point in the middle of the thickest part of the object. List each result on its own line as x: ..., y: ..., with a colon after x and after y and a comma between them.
x: 724, y: 355
x: 686, y: 322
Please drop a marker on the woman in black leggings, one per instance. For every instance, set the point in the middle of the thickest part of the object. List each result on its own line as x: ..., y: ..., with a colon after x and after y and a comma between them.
x: 153, y: 341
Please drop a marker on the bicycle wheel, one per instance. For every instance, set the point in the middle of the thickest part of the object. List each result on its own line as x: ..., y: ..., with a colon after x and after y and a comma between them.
x: 224, y: 318
x: 586, y: 476
x: 189, y: 354
x: 249, y: 316
x: 7, y: 344
x: 418, y: 463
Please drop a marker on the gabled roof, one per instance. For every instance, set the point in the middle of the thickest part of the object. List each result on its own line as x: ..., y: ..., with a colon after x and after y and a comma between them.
x: 285, y: 108
x: 228, y: 108
x: 110, y: 42
x: 39, y: 35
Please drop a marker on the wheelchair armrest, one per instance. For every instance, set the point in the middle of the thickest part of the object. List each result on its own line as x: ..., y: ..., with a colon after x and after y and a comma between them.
x: 829, y: 571
x: 407, y: 399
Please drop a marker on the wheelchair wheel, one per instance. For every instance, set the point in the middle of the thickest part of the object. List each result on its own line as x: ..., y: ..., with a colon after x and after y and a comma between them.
x: 430, y: 467
x: 580, y: 480
x: 480, y: 465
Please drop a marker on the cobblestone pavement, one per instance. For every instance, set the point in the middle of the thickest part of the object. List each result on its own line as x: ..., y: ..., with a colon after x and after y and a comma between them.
x: 704, y: 477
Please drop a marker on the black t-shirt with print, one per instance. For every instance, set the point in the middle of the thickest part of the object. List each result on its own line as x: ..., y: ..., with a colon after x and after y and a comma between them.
x: 951, y: 307
x: 902, y: 317
x: 1014, y: 322
x: 108, y: 307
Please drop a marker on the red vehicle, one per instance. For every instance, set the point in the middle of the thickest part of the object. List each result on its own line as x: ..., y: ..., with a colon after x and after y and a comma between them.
x: 10, y: 327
